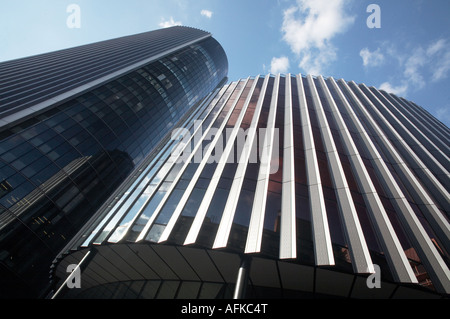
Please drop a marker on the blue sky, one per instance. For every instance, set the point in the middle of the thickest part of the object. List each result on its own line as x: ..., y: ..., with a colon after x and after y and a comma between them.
x: 408, y: 55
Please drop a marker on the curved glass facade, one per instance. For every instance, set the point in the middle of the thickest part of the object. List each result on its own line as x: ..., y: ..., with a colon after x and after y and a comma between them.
x: 58, y: 166
x: 314, y: 180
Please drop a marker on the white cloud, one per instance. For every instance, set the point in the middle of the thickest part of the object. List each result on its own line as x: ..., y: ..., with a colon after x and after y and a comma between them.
x: 308, y: 28
x: 169, y: 23
x: 206, y: 13
x: 442, y: 68
x: 436, y: 47
x: 443, y: 114
x: 440, y: 53
x: 279, y: 65
x: 371, y: 59
x: 433, y: 60
x: 417, y: 66
x: 398, y: 90
x: 412, y: 68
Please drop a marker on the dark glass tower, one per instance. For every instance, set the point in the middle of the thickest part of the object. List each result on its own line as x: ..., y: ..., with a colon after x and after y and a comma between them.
x: 310, y: 186
x: 75, y: 123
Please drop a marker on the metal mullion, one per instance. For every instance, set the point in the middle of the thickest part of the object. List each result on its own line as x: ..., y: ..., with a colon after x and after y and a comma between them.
x: 183, y: 200
x: 37, y: 63
x: 130, y: 202
x: 150, y: 167
x: 54, y: 64
x: 424, y: 113
x: 59, y: 55
x: 125, y: 197
x: 288, y: 238
x: 94, y: 82
x: 88, y: 52
x: 323, y: 249
x: 75, y: 76
x: 242, y: 164
x: 70, y: 276
x: 423, y: 128
x: 85, y: 52
x: 428, y: 253
x: 240, y: 170
x: 206, y: 201
x: 182, y: 170
x: 433, y: 163
x: 432, y: 213
x: 54, y: 75
x: 397, y: 260
x: 414, y: 129
x: 124, y: 40
x: 256, y: 225
x: 359, y: 252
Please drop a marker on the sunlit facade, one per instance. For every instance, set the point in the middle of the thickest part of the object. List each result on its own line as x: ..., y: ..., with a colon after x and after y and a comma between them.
x: 278, y: 186
x: 75, y: 123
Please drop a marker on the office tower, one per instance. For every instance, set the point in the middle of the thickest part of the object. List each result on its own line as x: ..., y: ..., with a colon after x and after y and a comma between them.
x: 74, y: 125
x: 277, y: 186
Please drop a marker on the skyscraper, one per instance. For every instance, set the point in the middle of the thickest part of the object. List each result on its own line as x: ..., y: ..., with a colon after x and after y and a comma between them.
x: 277, y: 186
x: 75, y: 123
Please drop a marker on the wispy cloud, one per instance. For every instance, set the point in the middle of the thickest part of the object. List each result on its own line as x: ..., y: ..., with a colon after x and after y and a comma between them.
x: 397, y: 90
x: 439, y: 52
x: 309, y: 27
x: 371, y: 59
x: 413, y: 67
x: 279, y: 65
x: 169, y: 23
x: 436, y: 47
x: 206, y: 13
x: 443, y: 114
x: 418, y: 65
x: 442, y: 68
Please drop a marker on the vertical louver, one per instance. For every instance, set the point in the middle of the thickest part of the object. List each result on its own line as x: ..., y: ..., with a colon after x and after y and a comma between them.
x: 299, y: 168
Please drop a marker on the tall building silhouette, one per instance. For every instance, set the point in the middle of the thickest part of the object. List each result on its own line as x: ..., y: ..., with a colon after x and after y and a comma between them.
x: 75, y: 123
x: 283, y: 186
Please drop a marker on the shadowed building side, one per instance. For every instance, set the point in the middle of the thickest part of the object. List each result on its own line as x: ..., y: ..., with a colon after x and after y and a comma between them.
x: 75, y: 124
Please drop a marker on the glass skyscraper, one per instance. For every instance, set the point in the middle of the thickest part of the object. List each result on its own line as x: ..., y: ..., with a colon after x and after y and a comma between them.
x: 277, y: 186
x: 76, y: 123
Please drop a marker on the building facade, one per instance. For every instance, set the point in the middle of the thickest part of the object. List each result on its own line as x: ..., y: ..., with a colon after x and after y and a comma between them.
x: 277, y: 186
x: 75, y: 123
